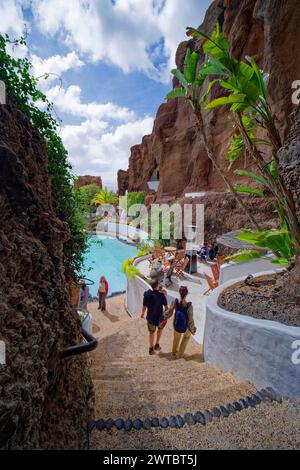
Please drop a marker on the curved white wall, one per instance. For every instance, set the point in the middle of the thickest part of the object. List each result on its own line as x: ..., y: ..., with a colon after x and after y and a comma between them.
x: 233, y: 270
x: 135, y: 292
x: 124, y: 231
x: 258, y: 350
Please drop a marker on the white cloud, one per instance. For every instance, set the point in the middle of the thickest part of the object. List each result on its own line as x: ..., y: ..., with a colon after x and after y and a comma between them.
x: 69, y: 101
x: 93, y: 150
x: 12, y: 22
x: 11, y: 18
x: 123, y: 32
x: 55, y: 66
x: 133, y: 35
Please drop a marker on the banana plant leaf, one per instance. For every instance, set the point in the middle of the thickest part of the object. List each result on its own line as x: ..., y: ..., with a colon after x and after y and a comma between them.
x: 226, y: 100
x: 176, y: 93
x: 243, y: 256
x: 190, y: 66
x: 253, y: 176
x: 248, y: 190
x: 181, y: 78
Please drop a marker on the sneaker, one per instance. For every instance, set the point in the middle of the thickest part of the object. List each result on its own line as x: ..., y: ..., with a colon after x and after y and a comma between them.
x: 151, y: 351
x: 157, y: 347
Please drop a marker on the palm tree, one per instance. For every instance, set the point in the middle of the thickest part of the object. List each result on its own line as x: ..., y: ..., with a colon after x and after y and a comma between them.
x: 105, y: 197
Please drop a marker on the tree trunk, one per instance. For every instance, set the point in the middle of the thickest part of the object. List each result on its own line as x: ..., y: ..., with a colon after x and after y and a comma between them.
x: 226, y: 180
x: 289, y: 159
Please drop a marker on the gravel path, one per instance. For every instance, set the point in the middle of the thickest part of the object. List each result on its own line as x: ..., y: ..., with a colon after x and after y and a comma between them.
x: 129, y: 384
x: 270, y: 426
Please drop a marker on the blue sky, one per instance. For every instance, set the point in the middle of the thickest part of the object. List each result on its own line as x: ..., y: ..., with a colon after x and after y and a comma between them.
x: 113, y: 59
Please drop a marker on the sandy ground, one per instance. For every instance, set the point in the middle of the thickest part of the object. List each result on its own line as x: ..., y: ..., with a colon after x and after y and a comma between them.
x: 129, y: 384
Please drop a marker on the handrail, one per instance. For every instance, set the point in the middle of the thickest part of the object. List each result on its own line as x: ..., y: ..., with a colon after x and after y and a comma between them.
x: 90, y: 344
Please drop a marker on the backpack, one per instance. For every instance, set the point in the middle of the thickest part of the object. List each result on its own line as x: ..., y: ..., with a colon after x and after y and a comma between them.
x: 181, y: 317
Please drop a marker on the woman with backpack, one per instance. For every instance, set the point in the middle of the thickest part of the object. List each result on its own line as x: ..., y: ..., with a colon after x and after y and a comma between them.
x: 184, y: 324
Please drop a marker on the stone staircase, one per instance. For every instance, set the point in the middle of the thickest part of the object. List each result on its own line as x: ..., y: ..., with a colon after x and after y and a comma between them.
x: 132, y: 386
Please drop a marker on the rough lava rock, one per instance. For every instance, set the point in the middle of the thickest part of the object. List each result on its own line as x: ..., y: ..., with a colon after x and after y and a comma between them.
x: 265, y: 29
x: 88, y: 179
x: 45, y: 402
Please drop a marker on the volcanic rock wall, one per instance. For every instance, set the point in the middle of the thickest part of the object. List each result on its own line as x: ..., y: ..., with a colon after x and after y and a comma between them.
x: 44, y: 401
x: 88, y: 179
x: 269, y: 31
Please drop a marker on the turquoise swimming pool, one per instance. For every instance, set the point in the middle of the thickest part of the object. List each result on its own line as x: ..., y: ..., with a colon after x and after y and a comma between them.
x: 106, y: 259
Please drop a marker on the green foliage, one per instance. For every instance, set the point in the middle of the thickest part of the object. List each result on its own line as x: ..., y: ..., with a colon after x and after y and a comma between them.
x: 145, y: 247
x: 105, y: 197
x: 23, y: 87
x: 245, y: 92
x: 176, y: 93
x: 132, y: 198
x: 249, y: 174
x: 246, y: 189
x: 128, y: 262
x: 132, y: 272
x: 88, y: 193
x: 129, y: 269
x: 243, y: 256
x: 190, y: 66
x: 279, y: 241
x: 243, y: 81
x: 273, y: 170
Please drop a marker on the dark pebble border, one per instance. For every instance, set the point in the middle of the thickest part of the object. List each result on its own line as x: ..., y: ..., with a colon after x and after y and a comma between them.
x: 267, y: 394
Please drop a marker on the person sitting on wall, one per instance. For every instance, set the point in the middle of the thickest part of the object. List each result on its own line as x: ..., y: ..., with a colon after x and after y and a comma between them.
x: 157, y: 271
x: 168, y: 269
x: 203, y: 253
x: 211, y: 252
x: 155, y: 303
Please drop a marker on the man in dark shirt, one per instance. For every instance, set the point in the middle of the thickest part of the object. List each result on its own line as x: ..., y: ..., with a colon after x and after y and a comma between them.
x: 155, y: 303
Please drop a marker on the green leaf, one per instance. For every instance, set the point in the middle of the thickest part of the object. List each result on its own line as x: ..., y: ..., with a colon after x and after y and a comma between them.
x: 256, y: 238
x: 190, y: 66
x: 258, y: 178
x: 176, y: 93
x: 273, y: 169
x: 260, y: 77
x: 281, y: 262
x: 217, y: 45
x: 248, y: 190
x: 180, y: 77
x: 244, y: 70
x: 205, y: 96
x: 229, y: 85
x: 243, y: 256
x: 225, y: 100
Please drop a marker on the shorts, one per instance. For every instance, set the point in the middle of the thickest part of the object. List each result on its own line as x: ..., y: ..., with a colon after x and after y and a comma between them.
x: 152, y: 328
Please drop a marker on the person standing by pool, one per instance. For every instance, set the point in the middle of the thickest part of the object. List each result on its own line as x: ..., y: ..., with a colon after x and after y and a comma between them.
x: 155, y: 303
x: 102, y: 293
x: 184, y: 324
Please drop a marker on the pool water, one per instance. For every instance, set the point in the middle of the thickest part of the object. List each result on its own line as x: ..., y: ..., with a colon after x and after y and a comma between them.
x: 106, y: 259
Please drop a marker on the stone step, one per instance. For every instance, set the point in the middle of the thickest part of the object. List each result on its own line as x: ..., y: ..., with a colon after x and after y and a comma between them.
x: 148, y: 361
x: 134, y: 406
x: 158, y: 392
x: 155, y: 376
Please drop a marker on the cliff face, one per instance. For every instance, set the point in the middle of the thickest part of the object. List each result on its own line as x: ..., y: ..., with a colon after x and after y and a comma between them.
x: 44, y: 401
x: 88, y: 179
x: 265, y: 29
